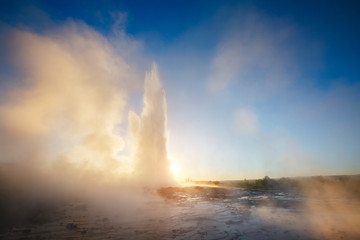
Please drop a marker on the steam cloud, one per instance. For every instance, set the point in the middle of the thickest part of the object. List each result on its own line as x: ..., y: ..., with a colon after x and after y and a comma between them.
x: 60, y: 122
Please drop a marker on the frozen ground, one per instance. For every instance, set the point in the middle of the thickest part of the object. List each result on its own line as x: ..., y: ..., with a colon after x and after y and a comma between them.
x: 190, y: 213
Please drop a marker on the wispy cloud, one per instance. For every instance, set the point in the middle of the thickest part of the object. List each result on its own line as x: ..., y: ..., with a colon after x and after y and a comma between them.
x: 255, y: 53
x: 245, y: 122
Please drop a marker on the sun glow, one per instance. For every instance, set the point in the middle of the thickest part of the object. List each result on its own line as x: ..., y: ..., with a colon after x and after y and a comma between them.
x: 174, y: 168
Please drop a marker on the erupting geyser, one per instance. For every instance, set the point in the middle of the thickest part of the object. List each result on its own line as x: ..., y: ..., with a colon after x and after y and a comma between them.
x: 59, y: 122
x: 150, y: 134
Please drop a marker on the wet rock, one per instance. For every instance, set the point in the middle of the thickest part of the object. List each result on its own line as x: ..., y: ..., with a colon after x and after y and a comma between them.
x: 26, y: 231
x: 140, y: 231
x: 71, y: 226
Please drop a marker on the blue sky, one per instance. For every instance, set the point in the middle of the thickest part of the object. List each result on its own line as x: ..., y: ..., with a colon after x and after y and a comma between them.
x: 254, y: 88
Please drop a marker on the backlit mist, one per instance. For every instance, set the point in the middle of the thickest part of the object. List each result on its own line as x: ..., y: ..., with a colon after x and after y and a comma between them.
x: 171, y: 120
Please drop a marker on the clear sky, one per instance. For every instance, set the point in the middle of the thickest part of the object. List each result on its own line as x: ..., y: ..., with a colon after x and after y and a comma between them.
x: 253, y: 88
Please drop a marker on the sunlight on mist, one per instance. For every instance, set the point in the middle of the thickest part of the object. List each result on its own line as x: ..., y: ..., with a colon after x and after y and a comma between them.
x: 75, y: 146
x: 62, y: 120
x: 174, y: 170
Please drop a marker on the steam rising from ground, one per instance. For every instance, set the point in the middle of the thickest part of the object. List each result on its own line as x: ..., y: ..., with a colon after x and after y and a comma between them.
x: 329, y: 211
x: 61, y: 121
x: 333, y: 206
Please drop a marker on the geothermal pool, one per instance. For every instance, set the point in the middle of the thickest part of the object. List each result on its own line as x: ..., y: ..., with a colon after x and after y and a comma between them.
x: 190, y: 213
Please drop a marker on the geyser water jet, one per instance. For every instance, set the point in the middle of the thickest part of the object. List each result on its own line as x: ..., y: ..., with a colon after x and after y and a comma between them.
x: 149, y: 132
